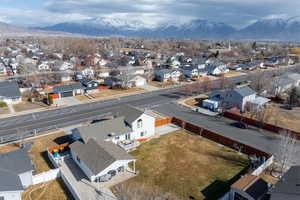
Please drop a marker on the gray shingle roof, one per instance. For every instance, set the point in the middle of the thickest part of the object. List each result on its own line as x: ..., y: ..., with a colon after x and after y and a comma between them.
x: 11, y: 165
x: 9, y: 181
x: 9, y: 89
x: 98, y: 155
x: 288, y: 187
x: 67, y: 88
x: 130, y: 113
x: 101, y: 130
x: 245, y: 91
x: 17, y: 161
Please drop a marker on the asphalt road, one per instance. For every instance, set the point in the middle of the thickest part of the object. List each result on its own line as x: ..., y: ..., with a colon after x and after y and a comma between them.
x: 164, y: 101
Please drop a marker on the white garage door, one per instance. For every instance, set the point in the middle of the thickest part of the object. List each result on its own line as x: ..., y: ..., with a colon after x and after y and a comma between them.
x: 140, y: 82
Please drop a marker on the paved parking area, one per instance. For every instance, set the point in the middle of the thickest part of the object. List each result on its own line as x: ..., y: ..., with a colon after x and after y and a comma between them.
x: 82, y: 186
x: 162, y: 130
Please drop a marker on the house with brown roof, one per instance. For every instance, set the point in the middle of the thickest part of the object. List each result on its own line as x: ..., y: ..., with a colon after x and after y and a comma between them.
x: 249, y: 187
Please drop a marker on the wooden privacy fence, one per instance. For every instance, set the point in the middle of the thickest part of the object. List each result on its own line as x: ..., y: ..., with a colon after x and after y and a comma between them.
x: 257, y: 123
x: 163, y: 122
x: 219, y: 138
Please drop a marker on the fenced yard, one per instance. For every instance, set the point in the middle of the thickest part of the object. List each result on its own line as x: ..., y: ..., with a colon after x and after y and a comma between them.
x: 182, y: 164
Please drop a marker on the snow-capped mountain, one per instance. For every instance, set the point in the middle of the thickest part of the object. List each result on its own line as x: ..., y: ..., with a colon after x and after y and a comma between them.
x: 273, y: 29
x: 107, y: 26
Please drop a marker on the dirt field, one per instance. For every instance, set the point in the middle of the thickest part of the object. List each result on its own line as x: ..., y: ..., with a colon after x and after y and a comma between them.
x: 24, y: 106
x: 38, y: 151
x: 184, y: 165
x: 52, y: 190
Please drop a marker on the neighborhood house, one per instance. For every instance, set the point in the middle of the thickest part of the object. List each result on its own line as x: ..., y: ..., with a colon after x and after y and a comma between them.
x: 10, y: 92
x: 16, y: 170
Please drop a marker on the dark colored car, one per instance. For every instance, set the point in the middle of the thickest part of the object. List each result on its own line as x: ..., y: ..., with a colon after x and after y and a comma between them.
x: 241, y: 125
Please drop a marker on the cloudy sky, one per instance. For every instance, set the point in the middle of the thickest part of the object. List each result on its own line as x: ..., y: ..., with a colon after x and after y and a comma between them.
x: 237, y: 13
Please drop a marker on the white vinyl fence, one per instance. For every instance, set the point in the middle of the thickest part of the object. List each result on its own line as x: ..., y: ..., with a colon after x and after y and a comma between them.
x: 262, y: 167
x: 46, y: 176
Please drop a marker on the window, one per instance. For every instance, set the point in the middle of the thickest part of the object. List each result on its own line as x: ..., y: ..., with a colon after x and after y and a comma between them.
x: 237, y: 196
x: 140, y: 123
x: 142, y: 134
x: 95, y: 84
x: 127, y: 136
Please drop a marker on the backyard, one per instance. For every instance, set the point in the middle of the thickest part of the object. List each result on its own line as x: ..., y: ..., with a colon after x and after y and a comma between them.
x: 186, y: 165
x: 39, y: 148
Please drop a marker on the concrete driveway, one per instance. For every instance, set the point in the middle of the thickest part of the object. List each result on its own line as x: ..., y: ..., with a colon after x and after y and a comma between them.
x: 67, y: 101
x: 149, y: 88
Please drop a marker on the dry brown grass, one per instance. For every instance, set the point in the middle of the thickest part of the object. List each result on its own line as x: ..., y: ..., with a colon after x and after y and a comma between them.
x: 112, y: 92
x: 232, y: 74
x: 161, y: 84
x: 52, y: 190
x: 4, y: 111
x: 38, y: 151
x: 185, y: 165
x: 24, y: 106
x: 281, y: 117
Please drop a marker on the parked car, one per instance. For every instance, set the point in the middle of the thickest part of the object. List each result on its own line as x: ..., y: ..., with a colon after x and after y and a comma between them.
x: 241, y: 125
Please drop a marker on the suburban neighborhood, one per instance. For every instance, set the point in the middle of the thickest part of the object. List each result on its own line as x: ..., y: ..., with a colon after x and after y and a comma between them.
x: 126, y: 116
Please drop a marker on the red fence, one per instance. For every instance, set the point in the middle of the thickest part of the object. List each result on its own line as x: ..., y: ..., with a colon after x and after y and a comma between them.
x: 219, y: 138
x: 256, y: 123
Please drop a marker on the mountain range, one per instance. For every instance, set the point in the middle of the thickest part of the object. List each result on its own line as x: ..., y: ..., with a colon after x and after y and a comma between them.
x: 265, y: 29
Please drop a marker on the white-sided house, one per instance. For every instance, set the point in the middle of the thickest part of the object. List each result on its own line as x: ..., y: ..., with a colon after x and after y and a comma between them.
x: 101, y: 160
x: 44, y: 66
x: 125, y: 130
x: 10, y: 92
x: 190, y: 72
x: 240, y: 97
x: 217, y: 68
x: 16, y: 170
x: 167, y: 75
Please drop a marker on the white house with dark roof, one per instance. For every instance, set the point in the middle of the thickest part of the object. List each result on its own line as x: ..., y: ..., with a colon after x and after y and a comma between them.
x: 238, y: 97
x: 126, y: 129
x: 10, y: 92
x: 16, y: 170
x: 101, y: 160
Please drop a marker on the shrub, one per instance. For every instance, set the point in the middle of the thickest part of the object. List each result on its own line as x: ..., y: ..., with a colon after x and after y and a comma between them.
x: 3, y: 104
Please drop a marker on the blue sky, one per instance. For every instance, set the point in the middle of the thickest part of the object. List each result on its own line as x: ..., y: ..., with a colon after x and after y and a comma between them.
x: 237, y: 13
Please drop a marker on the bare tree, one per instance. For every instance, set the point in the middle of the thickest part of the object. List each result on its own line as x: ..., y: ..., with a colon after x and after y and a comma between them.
x: 287, y: 151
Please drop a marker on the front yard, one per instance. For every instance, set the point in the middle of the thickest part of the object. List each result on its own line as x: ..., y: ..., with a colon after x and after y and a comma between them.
x: 184, y: 165
x: 109, y: 93
x: 25, y: 106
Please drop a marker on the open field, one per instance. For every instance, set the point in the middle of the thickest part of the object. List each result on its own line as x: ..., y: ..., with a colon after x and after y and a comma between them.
x: 183, y: 164
x: 24, y: 106
x: 52, y: 190
x: 277, y: 115
x: 39, y: 148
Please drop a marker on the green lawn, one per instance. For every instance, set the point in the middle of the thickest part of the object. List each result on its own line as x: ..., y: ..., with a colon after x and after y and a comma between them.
x: 184, y: 165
